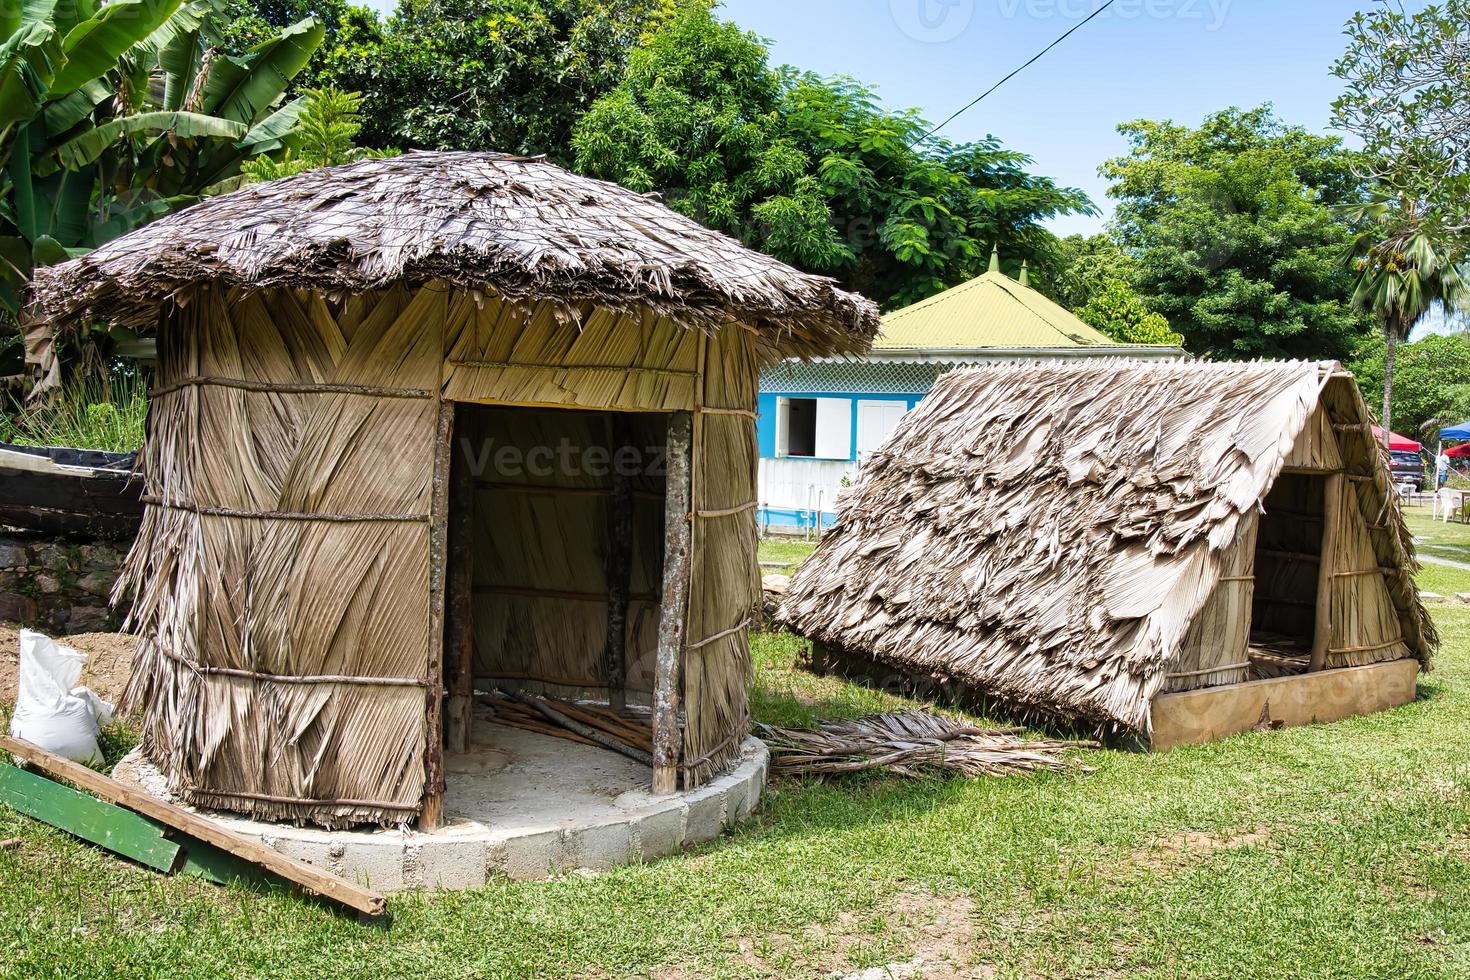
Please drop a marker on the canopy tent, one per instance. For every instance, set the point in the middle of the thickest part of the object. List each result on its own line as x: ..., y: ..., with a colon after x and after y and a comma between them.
x: 1397, y: 443
x: 1461, y: 451
x: 1461, y: 431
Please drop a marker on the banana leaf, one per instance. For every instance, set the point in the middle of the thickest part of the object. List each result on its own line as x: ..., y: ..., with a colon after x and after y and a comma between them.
x: 28, y: 60
x: 15, y: 14
x: 180, y: 45
x: 241, y: 89
x: 94, y: 46
x: 64, y: 113
x: 83, y: 149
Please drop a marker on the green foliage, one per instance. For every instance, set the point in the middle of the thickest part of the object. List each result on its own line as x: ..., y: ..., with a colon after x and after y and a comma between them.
x: 1235, y: 235
x: 325, y: 136
x: 91, y: 413
x: 506, y: 75
x: 1407, y: 98
x: 115, y: 114
x: 1403, y: 272
x: 1084, y: 267
x: 1431, y: 381
x: 1119, y: 312
x: 813, y: 171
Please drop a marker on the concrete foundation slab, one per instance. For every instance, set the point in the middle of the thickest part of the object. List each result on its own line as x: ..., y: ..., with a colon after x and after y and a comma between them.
x: 1191, y: 717
x: 517, y: 803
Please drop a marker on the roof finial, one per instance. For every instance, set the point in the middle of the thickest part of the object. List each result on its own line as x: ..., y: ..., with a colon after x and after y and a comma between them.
x: 994, y: 258
x: 1025, y: 276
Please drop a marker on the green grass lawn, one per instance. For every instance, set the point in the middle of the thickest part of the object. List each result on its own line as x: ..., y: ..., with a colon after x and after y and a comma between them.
x: 1438, y: 539
x: 1336, y: 850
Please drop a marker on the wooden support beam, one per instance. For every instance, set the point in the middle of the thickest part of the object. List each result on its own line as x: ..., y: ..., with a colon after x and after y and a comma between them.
x: 1331, y: 519
x: 675, y: 592
x: 459, y: 640
x: 620, y: 511
x: 311, y: 878
x: 432, y: 812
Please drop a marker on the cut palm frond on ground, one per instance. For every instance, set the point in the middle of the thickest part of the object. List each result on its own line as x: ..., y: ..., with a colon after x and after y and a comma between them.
x: 912, y: 744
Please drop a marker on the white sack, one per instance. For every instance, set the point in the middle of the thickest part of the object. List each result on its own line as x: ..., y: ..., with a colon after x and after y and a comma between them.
x: 50, y: 710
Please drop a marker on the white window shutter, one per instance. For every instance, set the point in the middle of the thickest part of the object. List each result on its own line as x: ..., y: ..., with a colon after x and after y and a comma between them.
x: 834, y: 428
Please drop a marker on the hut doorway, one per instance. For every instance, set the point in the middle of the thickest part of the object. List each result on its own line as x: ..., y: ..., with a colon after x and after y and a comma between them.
x: 555, y: 552
x: 1288, y: 562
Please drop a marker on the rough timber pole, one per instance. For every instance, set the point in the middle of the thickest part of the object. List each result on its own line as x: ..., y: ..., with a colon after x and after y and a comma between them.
x: 619, y: 563
x: 433, y: 810
x: 675, y: 593
x: 1331, y: 517
x: 459, y: 616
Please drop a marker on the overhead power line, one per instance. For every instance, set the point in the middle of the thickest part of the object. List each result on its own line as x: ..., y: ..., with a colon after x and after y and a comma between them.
x: 1033, y: 60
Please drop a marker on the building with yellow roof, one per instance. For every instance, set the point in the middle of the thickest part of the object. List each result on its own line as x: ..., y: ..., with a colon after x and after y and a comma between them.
x: 819, y: 418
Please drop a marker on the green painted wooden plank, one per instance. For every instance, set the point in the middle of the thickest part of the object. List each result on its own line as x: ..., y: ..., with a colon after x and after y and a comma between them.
x: 220, y: 866
x: 87, y: 817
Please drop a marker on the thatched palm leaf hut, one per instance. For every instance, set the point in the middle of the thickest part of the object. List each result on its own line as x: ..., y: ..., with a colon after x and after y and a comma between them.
x: 1076, y: 539
x: 439, y: 387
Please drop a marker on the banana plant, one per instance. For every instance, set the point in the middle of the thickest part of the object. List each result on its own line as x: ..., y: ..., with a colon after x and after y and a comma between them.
x: 113, y: 113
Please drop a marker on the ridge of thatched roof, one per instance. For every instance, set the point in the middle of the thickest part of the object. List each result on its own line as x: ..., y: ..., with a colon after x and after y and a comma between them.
x: 523, y: 229
x: 1046, y: 532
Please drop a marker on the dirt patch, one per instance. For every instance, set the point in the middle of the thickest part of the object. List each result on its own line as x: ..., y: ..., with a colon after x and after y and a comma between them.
x: 926, y: 936
x: 109, y: 660
x: 1189, y: 845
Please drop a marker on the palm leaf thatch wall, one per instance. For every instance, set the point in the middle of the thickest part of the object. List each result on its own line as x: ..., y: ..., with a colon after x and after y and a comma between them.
x: 1074, y: 539
x: 320, y: 338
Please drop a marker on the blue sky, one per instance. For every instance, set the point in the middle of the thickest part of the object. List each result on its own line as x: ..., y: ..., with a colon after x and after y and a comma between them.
x: 1175, y: 59
x: 1157, y: 59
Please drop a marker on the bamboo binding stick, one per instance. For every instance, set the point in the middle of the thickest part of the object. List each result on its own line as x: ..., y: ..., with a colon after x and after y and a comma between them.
x: 1331, y: 518
x: 311, y: 878
x: 671, y: 623
x: 577, y: 728
x: 619, y: 564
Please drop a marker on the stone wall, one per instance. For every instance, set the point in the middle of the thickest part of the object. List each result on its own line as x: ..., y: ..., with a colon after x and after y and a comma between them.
x: 57, y: 586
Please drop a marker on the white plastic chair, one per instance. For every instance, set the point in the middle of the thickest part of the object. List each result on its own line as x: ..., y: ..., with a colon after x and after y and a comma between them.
x: 1446, y: 501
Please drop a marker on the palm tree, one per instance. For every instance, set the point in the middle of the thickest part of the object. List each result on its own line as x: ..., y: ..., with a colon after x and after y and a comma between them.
x: 1403, y: 269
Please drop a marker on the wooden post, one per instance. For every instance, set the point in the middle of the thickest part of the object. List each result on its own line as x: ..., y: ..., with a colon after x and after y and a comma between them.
x: 619, y: 563
x: 459, y: 614
x: 675, y: 594
x: 432, y: 813
x: 1331, y: 517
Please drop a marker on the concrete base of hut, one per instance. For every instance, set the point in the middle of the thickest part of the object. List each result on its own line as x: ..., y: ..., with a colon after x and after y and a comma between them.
x: 519, y: 804
x: 1211, y: 713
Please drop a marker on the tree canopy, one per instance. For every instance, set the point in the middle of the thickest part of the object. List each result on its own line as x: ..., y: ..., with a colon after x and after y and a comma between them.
x: 1236, y: 233
x: 1432, y: 381
x: 811, y: 170
x: 507, y: 75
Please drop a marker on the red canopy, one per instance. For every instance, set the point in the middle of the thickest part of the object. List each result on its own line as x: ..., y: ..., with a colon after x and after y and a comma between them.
x: 1461, y: 451
x: 1397, y: 442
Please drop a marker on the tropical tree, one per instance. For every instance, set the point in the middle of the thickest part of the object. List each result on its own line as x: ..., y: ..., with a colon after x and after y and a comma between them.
x: 811, y: 170
x: 1119, y: 312
x: 1407, y: 98
x: 1431, y: 381
x: 326, y: 135
x: 506, y: 75
x: 113, y: 114
x: 1237, y: 232
x: 1402, y: 273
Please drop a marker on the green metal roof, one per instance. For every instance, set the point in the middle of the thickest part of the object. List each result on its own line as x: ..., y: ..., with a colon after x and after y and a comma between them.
x: 992, y: 310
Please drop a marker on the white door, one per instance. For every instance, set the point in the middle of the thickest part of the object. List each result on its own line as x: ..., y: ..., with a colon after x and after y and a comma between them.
x: 875, y: 421
x: 834, y: 428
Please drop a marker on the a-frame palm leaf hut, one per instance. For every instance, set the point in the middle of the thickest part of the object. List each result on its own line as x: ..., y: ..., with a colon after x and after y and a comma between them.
x: 438, y: 387
x: 1077, y: 539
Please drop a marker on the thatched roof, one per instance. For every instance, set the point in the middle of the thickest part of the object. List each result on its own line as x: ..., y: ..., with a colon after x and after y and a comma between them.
x: 517, y: 228
x: 1047, y: 532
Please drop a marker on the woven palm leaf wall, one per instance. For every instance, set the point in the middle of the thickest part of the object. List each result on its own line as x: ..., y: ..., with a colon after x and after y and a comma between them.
x: 285, y: 578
